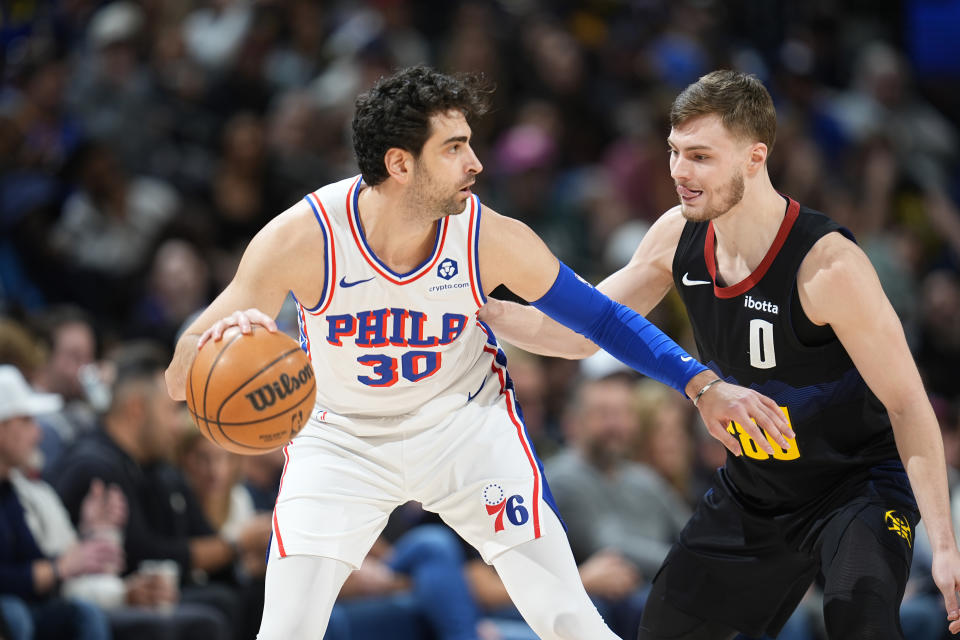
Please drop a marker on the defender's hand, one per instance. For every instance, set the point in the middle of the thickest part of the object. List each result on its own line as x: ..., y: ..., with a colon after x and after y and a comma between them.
x: 946, y: 573
x: 724, y: 403
x: 243, y: 319
x: 492, y: 311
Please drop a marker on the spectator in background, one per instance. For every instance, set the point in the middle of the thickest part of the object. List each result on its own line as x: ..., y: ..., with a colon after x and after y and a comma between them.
x: 608, y: 501
x: 68, y: 335
x: 298, y: 59
x: 299, y: 145
x: 178, y: 287
x: 215, y: 33
x: 32, y: 566
x: 20, y: 347
x: 530, y: 381
x: 664, y: 440
x: 411, y: 588
x: 111, y: 92
x: 882, y: 100
x: 621, y: 516
x: 166, y: 522
x: 240, y: 191
x: 939, y: 350
x: 261, y: 476
x: 213, y: 475
x: 109, y: 226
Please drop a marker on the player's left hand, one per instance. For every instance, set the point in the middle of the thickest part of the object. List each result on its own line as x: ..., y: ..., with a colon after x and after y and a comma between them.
x: 724, y: 403
x: 946, y: 573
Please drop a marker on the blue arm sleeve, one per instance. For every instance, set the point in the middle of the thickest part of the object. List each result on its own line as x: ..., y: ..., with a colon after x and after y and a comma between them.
x: 621, y: 331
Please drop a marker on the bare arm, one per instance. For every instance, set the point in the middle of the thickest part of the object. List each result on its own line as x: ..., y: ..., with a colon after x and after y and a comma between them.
x: 641, y: 284
x: 834, y: 270
x: 513, y: 255
x: 271, y: 267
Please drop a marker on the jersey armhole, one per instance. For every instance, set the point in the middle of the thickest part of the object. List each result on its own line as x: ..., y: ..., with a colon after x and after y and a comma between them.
x: 329, y: 257
x: 473, y: 255
x: 803, y: 333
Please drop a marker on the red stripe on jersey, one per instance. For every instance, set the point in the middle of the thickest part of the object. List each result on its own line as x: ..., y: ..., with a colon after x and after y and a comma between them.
x: 332, y: 252
x: 276, y: 525
x: 353, y: 218
x: 709, y: 255
x: 511, y: 400
x: 303, y: 327
x: 473, y: 264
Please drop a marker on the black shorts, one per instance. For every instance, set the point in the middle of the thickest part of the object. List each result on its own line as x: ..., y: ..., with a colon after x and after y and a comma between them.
x: 749, y: 571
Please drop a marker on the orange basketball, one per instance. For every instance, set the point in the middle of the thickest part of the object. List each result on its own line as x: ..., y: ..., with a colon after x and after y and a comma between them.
x: 251, y: 393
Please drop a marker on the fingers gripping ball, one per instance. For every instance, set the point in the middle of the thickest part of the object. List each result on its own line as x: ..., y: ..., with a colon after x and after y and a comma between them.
x: 251, y: 393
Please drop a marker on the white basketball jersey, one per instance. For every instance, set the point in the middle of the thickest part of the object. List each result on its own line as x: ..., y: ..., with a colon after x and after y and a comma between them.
x: 385, y: 344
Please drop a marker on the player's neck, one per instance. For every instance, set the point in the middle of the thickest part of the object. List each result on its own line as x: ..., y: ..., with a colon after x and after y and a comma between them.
x: 399, y: 234
x: 746, y: 232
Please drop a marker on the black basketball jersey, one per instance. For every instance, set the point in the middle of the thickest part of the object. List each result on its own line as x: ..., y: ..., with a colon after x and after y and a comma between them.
x: 748, y: 334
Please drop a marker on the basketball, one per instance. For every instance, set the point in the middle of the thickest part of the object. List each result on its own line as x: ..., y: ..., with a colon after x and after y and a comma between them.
x: 251, y: 393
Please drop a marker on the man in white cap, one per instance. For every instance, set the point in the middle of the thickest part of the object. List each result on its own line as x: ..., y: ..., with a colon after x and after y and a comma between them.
x: 30, y: 575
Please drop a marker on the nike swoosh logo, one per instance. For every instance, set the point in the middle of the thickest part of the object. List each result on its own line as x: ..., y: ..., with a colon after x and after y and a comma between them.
x: 691, y: 283
x: 471, y: 396
x: 345, y: 284
x: 686, y: 358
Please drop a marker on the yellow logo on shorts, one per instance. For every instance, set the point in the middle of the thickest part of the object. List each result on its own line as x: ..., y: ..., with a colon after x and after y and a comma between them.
x: 899, y: 525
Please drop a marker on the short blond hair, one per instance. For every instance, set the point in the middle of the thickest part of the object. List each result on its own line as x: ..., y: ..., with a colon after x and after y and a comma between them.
x: 740, y: 99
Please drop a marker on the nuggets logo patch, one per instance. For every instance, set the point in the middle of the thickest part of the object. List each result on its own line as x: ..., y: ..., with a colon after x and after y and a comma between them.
x: 899, y: 525
x: 498, y: 504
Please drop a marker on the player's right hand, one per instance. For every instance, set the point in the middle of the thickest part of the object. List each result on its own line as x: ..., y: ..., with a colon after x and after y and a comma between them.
x: 724, y: 403
x: 243, y: 319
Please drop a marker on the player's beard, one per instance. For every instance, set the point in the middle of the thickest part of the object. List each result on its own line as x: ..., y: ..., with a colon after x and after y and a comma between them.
x: 605, y: 455
x: 728, y: 197
x: 433, y: 199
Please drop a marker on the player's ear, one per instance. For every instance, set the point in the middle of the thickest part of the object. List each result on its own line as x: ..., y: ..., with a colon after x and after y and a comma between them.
x: 399, y: 164
x: 757, y: 158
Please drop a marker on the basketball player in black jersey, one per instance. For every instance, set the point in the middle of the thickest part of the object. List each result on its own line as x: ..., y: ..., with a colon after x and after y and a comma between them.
x: 783, y: 301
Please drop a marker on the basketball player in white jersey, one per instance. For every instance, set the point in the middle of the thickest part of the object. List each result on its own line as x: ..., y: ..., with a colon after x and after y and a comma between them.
x: 413, y: 398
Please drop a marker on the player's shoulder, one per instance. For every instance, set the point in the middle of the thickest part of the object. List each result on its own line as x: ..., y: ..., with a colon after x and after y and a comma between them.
x: 303, y: 216
x: 832, y: 250
x: 494, y: 225
x: 670, y: 221
x: 832, y: 263
x: 663, y: 235
x: 333, y: 193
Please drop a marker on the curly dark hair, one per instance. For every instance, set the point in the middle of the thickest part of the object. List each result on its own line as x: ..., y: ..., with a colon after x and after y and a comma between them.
x: 396, y: 113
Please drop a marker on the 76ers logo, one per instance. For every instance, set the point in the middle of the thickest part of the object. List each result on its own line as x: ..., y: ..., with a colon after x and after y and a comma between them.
x: 497, y: 503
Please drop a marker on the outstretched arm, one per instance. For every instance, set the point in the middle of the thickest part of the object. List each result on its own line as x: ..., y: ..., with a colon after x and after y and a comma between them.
x: 271, y: 267
x: 511, y: 254
x: 836, y: 269
x: 641, y: 284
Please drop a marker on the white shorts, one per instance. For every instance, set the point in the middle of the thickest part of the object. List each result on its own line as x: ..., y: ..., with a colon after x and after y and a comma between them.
x: 475, y: 467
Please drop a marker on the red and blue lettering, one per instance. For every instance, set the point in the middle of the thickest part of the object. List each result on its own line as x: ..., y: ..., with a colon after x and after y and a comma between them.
x: 397, y: 336
x: 341, y: 326
x: 416, y: 338
x: 382, y: 327
x: 451, y: 327
x: 372, y: 328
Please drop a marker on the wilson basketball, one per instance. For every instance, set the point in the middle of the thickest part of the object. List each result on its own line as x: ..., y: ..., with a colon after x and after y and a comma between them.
x: 251, y: 393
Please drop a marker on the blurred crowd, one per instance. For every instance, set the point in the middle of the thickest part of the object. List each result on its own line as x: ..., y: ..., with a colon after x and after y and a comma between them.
x: 142, y: 143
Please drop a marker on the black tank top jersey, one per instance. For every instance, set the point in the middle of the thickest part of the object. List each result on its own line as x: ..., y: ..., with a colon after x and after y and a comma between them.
x: 750, y: 334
